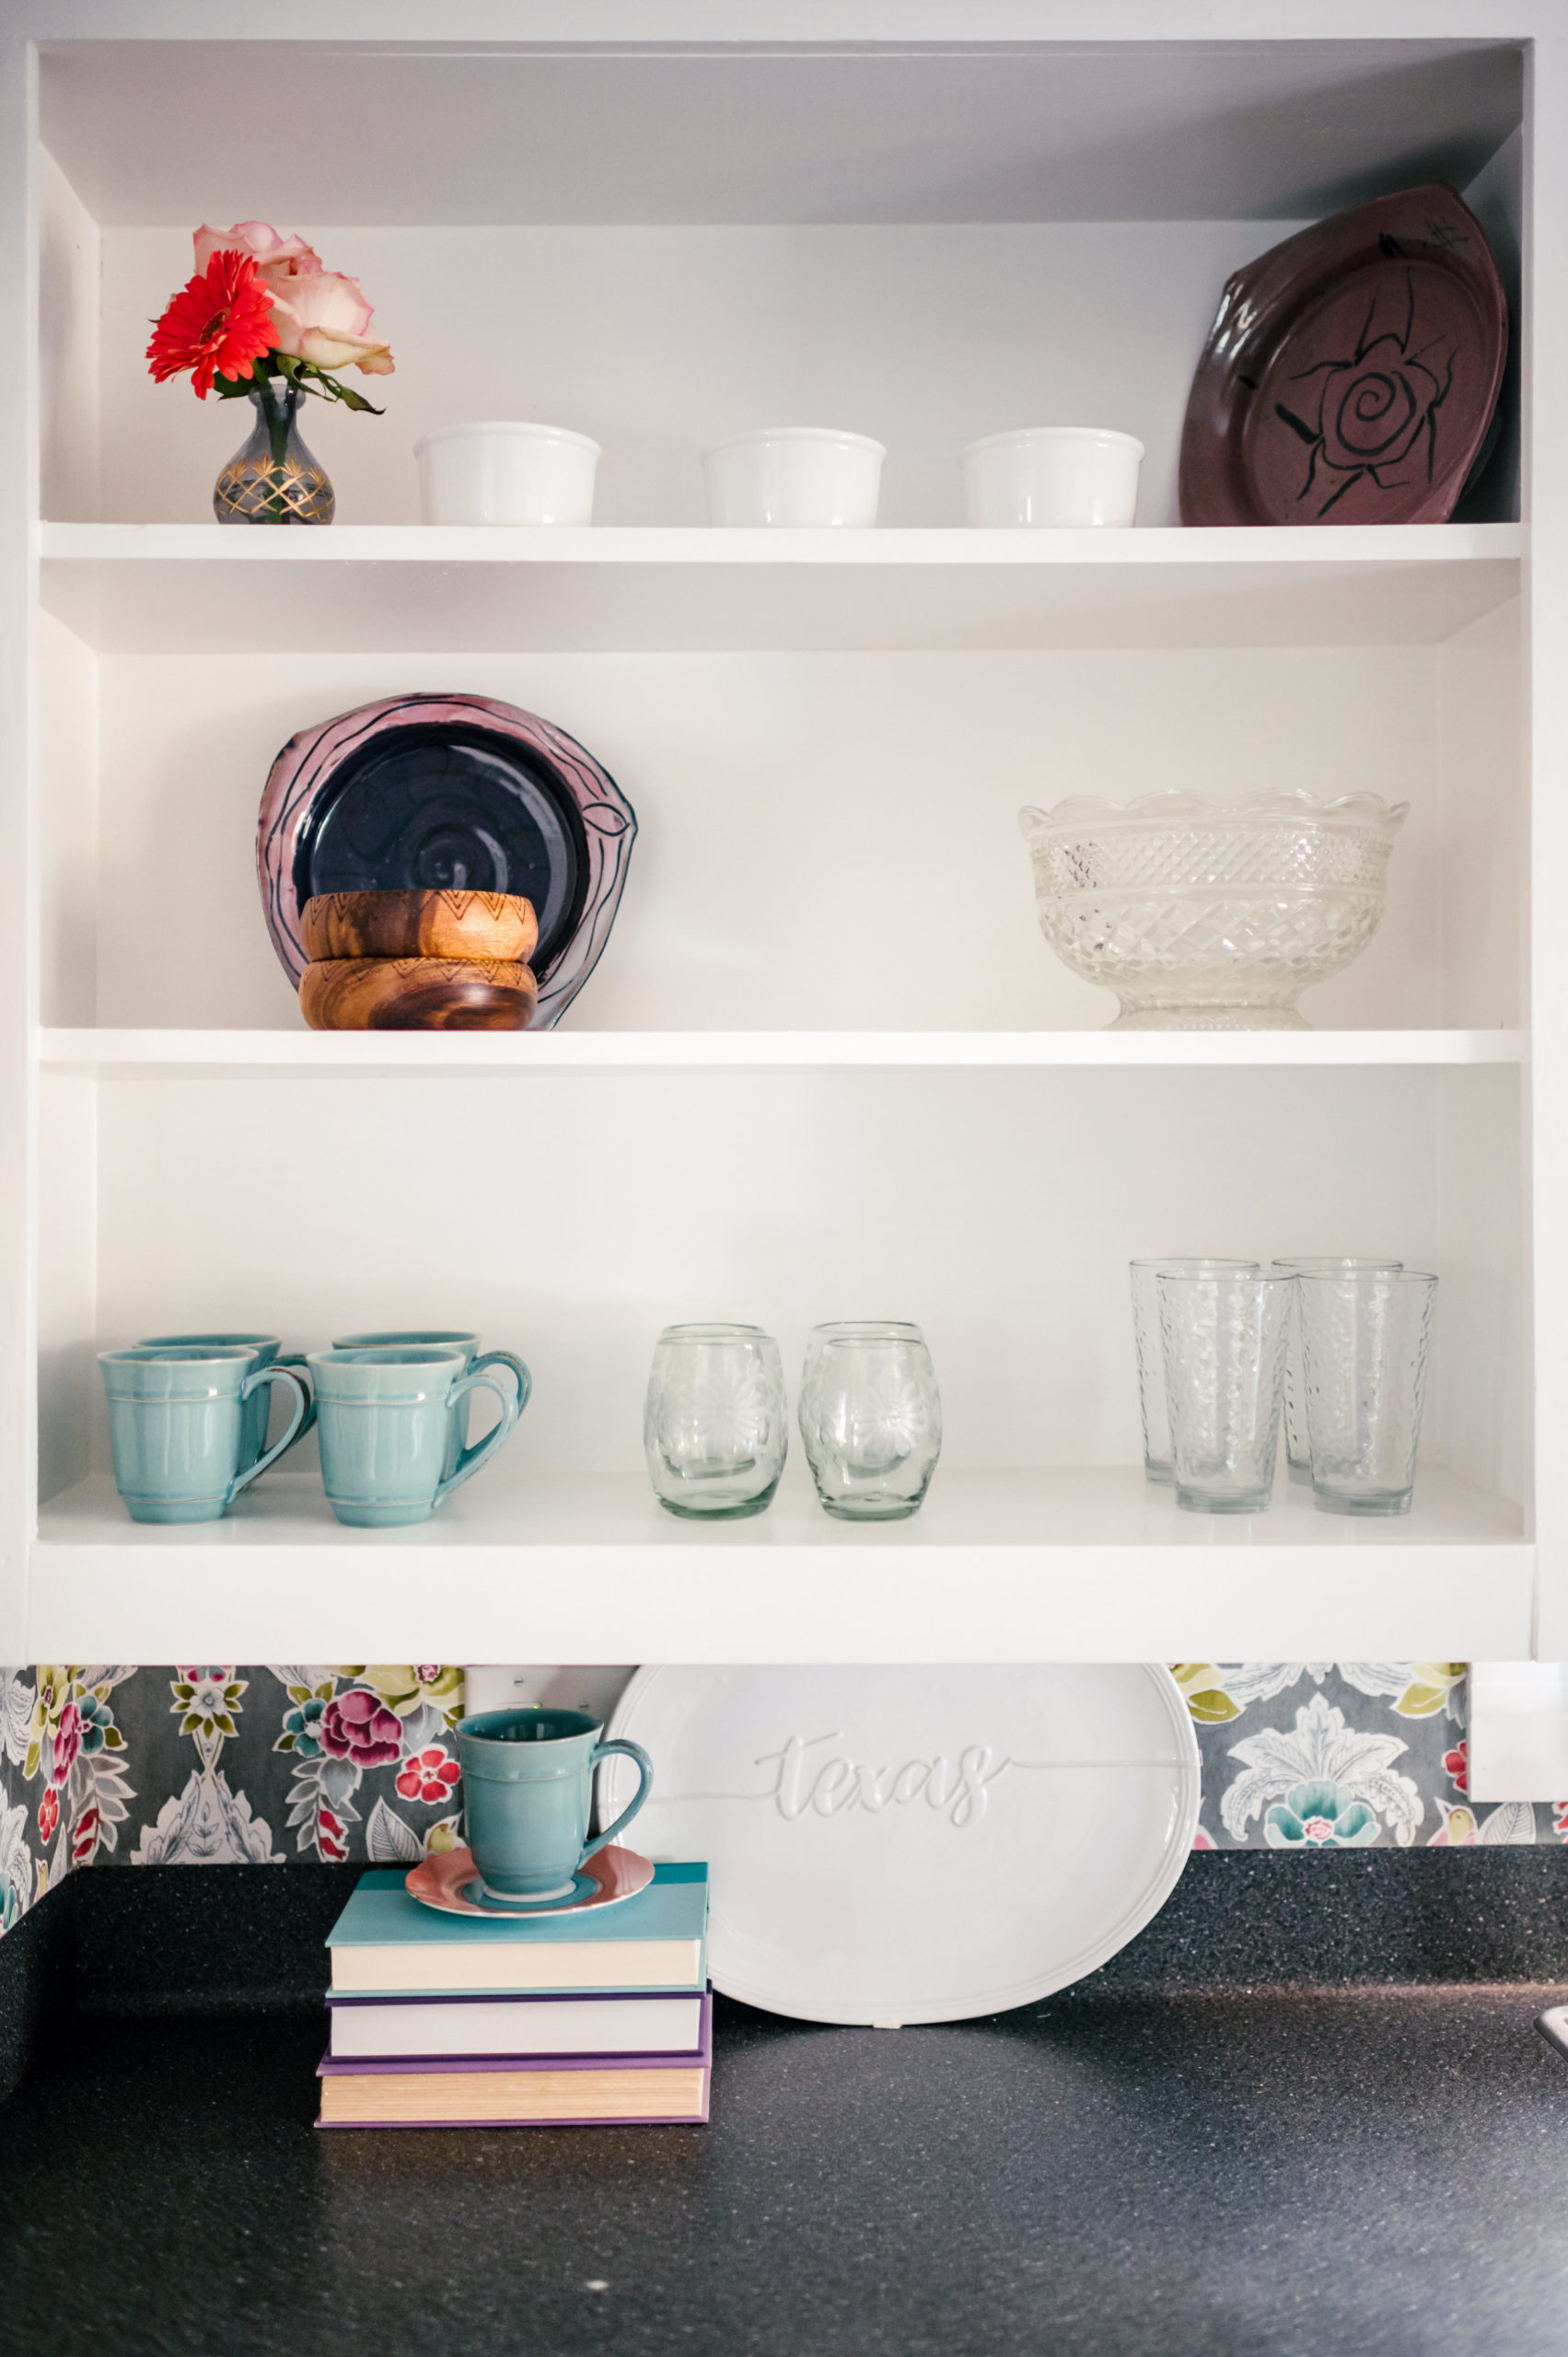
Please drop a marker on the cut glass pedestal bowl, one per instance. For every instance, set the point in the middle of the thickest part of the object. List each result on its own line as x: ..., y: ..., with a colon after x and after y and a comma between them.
x: 1211, y: 916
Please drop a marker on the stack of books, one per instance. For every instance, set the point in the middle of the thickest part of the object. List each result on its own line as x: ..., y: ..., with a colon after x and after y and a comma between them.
x: 469, y: 2021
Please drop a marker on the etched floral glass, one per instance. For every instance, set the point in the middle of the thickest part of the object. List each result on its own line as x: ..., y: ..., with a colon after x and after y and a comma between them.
x: 1158, y: 1466
x: 1210, y: 916
x: 1298, y: 1456
x: 1223, y: 1337
x: 870, y: 1418
x: 715, y: 1427
x: 1366, y: 1335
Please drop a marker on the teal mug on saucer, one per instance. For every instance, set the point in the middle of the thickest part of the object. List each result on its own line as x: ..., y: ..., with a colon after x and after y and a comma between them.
x: 475, y: 1361
x: 268, y: 1352
x: 528, y: 1793
x: 176, y: 1426
x: 384, y: 1418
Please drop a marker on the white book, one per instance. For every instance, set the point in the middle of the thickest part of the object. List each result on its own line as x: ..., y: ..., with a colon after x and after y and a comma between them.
x: 516, y: 2025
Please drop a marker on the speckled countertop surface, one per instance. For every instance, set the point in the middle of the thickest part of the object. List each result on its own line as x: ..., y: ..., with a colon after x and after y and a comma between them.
x: 1380, y: 2171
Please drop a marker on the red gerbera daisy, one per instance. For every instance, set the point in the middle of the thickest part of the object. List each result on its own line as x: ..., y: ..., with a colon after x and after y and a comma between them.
x: 218, y: 323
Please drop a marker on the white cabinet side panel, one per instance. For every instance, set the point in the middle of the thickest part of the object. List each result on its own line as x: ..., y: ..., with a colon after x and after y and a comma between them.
x: 1546, y: 491
x: 69, y: 1402
x: 68, y: 319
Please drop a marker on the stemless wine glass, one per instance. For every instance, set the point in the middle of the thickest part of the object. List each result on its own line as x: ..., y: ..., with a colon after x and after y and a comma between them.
x: 1365, y: 1335
x: 1224, y: 1337
x: 870, y: 1417
x: 1151, y: 1355
x: 715, y: 1427
x: 1298, y: 1457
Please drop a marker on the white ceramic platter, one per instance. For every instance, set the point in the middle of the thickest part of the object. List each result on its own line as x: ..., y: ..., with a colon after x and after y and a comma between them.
x: 916, y: 1845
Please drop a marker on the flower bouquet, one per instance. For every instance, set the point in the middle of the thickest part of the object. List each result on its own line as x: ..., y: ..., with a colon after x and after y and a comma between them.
x: 263, y: 320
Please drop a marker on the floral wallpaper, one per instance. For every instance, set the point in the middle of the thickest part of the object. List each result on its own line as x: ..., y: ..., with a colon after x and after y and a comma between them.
x: 207, y: 1764
x: 1318, y: 1755
x: 211, y: 1764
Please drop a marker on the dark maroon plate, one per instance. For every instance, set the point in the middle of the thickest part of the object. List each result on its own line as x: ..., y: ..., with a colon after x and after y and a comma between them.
x: 1351, y: 373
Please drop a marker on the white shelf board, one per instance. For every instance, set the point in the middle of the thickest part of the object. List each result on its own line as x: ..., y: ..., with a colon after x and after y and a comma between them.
x: 359, y: 1055
x: 1043, y: 1564
x: 156, y: 588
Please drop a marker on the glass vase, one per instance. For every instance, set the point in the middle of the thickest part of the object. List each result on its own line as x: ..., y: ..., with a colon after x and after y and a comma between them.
x: 273, y: 479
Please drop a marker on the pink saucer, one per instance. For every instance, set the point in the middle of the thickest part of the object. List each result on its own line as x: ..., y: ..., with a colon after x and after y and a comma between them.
x: 445, y: 1882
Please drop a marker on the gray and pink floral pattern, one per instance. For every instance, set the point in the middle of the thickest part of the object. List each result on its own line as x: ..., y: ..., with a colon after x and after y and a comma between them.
x: 209, y: 1764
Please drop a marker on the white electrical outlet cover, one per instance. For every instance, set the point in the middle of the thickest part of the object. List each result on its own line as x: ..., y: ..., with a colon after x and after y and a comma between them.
x: 596, y: 1689
x: 891, y: 1846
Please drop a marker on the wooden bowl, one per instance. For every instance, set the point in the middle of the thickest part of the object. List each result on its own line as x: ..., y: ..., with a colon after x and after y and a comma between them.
x: 419, y: 924
x: 417, y: 995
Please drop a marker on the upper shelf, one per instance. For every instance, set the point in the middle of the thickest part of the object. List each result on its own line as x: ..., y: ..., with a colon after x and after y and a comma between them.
x: 303, y: 1055
x: 751, y: 115
x: 159, y: 588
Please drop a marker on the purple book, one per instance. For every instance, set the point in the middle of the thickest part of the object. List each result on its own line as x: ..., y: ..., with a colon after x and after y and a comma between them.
x: 509, y: 2091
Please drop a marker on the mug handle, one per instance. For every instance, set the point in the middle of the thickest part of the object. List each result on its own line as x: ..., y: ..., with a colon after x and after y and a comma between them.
x: 506, y: 1358
x: 646, y: 1775
x: 274, y: 1373
x: 472, y: 1459
x: 298, y: 1358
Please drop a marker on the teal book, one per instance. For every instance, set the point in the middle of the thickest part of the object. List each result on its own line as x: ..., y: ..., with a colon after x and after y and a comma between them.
x: 385, y: 1943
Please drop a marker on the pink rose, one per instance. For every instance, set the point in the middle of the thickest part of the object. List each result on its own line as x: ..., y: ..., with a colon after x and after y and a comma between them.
x: 280, y: 261
x: 324, y: 318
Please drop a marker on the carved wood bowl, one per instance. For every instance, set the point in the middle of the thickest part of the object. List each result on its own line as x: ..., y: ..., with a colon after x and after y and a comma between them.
x: 420, y: 925
x: 418, y: 994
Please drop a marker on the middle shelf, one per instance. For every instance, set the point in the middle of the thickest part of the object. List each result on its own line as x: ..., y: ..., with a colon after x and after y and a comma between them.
x: 130, y: 588
x: 1039, y: 1564
x: 295, y: 1055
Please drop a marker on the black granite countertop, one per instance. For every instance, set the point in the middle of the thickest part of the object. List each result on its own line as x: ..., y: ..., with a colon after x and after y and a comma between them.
x: 1155, y: 2162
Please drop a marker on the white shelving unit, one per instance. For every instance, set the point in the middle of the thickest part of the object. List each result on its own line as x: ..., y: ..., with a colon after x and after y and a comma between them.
x: 826, y: 1066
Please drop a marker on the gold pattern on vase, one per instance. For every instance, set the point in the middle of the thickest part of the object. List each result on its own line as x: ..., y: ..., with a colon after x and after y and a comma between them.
x: 273, y: 479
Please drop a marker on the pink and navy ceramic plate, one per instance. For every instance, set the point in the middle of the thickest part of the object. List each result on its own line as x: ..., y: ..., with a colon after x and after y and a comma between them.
x: 1352, y: 372
x: 450, y: 1882
x: 457, y: 791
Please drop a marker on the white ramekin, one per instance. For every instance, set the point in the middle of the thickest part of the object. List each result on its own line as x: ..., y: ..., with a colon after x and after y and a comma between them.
x: 793, y: 475
x: 1060, y: 475
x: 503, y: 473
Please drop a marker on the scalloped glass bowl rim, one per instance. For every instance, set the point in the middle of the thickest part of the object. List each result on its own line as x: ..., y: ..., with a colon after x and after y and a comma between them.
x: 1177, y: 806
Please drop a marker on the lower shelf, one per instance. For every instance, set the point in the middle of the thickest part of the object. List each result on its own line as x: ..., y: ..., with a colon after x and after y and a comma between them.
x: 1043, y: 1564
x: 360, y: 1055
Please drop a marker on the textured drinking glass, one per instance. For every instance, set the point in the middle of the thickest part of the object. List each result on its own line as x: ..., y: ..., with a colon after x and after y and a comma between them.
x: 1151, y: 1354
x: 1364, y: 1337
x: 715, y: 1428
x: 1299, y: 1461
x: 871, y: 1418
x: 1224, y: 1338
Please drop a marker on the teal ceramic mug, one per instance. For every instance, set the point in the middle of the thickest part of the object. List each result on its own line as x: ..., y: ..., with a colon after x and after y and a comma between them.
x: 384, y: 1417
x: 528, y: 1794
x: 176, y: 1426
x: 475, y: 1361
x: 268, y: 1352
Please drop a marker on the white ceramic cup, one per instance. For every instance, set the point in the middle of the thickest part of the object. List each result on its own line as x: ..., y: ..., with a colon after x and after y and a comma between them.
x: 506, y: 475
x: 793, y: 475
x: 1060, y: 475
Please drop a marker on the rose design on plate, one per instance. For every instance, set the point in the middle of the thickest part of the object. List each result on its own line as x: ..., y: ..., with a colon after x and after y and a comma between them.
x: 1374, y: 412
